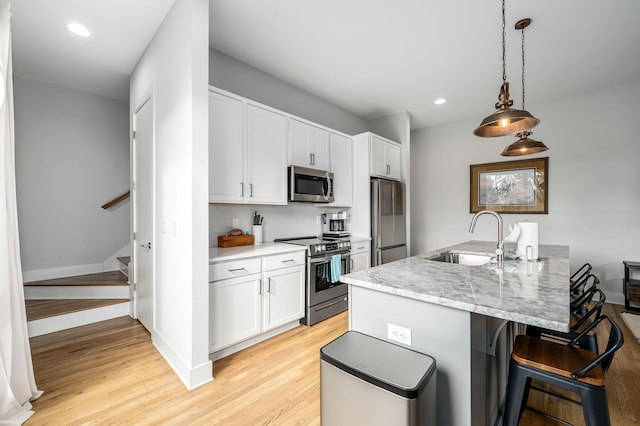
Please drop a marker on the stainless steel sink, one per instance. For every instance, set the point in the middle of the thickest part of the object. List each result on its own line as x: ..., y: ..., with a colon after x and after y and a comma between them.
x: 471, y: 259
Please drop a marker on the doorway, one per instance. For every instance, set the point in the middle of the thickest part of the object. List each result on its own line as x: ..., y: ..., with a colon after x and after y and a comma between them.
x: 143, y: 218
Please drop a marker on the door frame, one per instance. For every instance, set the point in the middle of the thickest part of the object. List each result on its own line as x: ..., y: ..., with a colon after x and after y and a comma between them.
x: 147, y: 98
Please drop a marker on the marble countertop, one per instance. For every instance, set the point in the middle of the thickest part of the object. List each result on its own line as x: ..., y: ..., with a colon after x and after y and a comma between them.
x: 534, y: 293
x: 219, y: 254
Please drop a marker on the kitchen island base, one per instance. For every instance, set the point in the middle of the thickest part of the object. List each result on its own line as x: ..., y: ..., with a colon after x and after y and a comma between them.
x: 471, y: 350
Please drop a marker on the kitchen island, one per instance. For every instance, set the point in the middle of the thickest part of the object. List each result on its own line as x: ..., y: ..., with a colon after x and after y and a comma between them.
x: 463, y: 316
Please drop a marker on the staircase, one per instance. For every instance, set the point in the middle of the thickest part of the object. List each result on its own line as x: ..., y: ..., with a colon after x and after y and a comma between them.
x: 63, y: 303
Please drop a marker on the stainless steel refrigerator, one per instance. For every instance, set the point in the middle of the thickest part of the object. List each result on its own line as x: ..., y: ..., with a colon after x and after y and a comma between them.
x: 388, y: 222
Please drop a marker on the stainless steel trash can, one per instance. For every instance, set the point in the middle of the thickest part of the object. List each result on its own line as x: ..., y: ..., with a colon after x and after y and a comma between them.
x: 367, y: 381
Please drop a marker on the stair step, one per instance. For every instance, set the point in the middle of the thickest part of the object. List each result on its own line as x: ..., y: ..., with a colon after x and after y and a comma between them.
x: 110, y: 278
x: 124, y: 259
x: 48, y: 316
x: 39, y: 309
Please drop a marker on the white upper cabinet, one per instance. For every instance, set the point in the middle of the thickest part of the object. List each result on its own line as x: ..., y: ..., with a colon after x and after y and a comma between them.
x: 385, y: 158
x: 247, y: 152
x: 342, y: 168
x: 266, y: 156
x: 309, y: 145
x: 226, y: 148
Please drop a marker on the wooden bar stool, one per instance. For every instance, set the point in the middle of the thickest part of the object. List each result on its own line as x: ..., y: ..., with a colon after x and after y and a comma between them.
x: 566, y: 366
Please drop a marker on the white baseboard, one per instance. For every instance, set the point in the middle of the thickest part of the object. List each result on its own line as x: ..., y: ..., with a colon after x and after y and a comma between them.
x: 252, y: 341
x: 191, y: 377
x: 76, y: 319
x: 76, y: 292
x: 111, y: 264
x: 62, y: 272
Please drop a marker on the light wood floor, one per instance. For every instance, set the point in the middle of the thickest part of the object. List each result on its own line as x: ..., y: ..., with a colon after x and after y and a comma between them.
x: 110, y: 373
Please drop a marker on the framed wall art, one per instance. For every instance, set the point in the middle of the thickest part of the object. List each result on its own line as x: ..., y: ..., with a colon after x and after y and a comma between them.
x: 510, y: 187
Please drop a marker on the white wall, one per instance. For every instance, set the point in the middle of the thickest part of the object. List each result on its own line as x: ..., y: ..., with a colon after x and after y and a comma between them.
x: 174, y: 70
x: 594, y: 180
x: 72, y: 156
x: 237, y: 77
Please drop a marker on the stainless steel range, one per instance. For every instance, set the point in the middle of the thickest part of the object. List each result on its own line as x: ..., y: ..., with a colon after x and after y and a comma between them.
x: 324, y: 298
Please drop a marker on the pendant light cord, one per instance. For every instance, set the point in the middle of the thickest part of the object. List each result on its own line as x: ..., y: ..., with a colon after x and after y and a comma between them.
x: 504, y: 46
x: 523, y: 68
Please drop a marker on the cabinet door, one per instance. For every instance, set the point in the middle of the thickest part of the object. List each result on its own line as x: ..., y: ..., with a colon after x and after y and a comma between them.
x: 234, y: 310
x: 226, y: 148
x: 392, y: 155
x: 309, y: 146
x: 342, y: 168
x: 377, y: 155
x: 320, y: 148
x: 266, y: 156
x: 283, y: 297
x: 299, y: 139
x: 360, y: 261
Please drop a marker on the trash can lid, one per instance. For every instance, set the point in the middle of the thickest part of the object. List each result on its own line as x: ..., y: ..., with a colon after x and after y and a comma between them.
x: 391, y: 367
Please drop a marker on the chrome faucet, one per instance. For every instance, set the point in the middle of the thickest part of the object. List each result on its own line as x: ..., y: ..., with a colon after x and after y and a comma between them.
x: 500, y: 247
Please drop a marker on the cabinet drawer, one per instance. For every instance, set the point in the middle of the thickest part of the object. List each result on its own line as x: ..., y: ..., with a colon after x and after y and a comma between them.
x: 234, y: 268
x: 285, y: 260
x: 361, y: 247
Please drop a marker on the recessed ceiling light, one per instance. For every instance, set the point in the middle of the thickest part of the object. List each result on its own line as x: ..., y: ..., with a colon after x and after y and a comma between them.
x: 78, y: 29
x: 440, y: 101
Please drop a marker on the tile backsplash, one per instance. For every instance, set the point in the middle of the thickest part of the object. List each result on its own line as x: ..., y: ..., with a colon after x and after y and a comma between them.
x: 293, y: 220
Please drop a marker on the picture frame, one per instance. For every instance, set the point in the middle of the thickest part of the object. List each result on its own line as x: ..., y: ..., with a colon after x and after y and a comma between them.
x: 518, y: 187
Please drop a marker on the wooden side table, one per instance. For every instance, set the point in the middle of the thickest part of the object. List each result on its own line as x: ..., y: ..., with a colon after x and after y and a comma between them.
x: 631, y: 286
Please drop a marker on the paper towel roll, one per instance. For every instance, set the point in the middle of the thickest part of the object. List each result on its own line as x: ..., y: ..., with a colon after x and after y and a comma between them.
x: 528, y: 238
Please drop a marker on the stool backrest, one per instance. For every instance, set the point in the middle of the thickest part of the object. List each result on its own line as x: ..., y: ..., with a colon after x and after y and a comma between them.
x: 580, y: 274
x: 594, y: 310
x: 585, y: 285
x: 616, y: 340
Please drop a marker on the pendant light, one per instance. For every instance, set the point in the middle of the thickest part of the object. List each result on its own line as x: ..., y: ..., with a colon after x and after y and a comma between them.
x: 524, y: 145
x: 506, y: 120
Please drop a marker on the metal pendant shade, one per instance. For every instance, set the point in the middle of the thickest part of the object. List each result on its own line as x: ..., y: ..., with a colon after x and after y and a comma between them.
x: 524, y: 146
x: 506, y: 120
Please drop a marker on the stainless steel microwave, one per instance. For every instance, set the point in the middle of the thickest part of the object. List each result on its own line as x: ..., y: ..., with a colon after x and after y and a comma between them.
x: 310, y: 185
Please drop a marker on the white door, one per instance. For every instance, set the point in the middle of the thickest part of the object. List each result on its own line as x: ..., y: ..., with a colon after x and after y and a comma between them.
x: 143, y: 223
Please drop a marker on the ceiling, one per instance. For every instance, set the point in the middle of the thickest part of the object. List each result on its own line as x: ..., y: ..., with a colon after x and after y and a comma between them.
x: 371, y: 57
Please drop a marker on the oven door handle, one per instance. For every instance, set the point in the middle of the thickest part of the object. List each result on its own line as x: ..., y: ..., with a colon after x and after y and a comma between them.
x: 313, y: 260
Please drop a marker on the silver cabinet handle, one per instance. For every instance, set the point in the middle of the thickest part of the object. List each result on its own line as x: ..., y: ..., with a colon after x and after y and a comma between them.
x: 250, y: 190
x: 310, y: 159
x: 287, y: 260
x: 350, y: 264
x: 242, y: 189
x: 313, y: 156
x: 268, y: 285
x: 259, y: 285
x: 237, y: 269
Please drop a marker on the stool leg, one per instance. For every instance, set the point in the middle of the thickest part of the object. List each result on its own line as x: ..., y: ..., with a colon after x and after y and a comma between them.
x: 533, y: 331
x: 517, y: 386
x: 595, y: 407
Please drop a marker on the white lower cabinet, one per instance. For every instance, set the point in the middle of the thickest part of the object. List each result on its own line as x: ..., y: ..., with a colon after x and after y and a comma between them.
x: 360, y: 256
x: 283, y: 300
x: 235, y: 310
x: 250, y: 304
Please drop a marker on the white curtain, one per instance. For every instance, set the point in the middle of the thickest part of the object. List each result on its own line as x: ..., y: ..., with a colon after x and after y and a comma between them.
x: 17, y: 382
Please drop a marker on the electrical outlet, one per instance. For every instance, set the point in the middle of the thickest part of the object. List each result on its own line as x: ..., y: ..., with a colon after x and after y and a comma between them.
x: 235, y: 222
x: 163, y: 226
x: 399, y: 334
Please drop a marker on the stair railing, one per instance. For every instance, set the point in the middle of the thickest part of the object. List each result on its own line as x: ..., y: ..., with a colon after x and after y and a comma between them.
x: 116, y: 200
